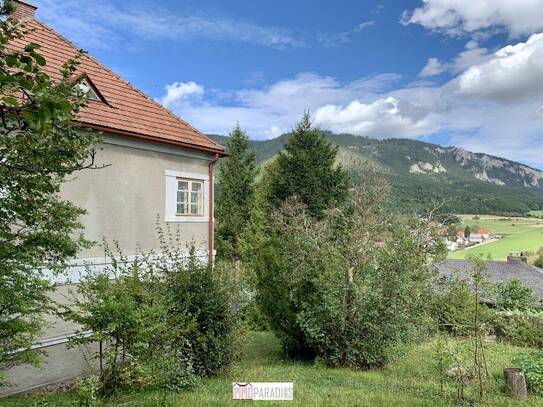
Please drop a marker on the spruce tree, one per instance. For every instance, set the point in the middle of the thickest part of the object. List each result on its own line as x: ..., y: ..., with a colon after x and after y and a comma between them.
x: 307, y: 170
x: 237, y: 176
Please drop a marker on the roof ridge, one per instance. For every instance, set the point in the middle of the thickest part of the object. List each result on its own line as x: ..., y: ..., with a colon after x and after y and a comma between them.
x: 100, y: 64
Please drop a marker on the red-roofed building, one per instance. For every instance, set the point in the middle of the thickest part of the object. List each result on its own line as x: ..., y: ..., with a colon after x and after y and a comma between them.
x: 157, y: 164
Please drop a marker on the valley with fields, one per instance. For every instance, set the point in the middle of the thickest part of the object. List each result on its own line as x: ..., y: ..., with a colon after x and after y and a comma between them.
x: 516, y: 235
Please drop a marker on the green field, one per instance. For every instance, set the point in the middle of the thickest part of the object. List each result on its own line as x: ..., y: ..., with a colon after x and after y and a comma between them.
x: 412, y: 379
x: 518, y: 235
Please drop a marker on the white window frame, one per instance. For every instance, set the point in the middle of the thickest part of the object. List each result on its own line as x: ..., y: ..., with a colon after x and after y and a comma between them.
x: 87, y: 90
x: 171, y: 215
x: 188, y: 203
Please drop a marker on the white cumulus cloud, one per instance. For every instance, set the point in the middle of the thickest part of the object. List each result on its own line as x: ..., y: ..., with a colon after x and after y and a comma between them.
x: 433, y: 67
x: 457, y: 17
x: 513, y: 73
x: 472, y: 55
x: 270, y: 110
x: 178, y: 91
x: 387, y: 117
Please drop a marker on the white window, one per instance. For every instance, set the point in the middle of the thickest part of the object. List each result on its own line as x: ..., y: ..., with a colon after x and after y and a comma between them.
x: 84, y: 88
x: 187, y: 196
x: 190, y: 197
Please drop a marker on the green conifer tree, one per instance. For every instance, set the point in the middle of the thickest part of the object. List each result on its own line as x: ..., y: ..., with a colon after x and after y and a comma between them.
x: 307, y: 170
x: 237, y: 176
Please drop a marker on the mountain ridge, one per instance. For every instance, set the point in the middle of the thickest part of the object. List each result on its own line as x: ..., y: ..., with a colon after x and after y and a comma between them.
x: 423, y: 173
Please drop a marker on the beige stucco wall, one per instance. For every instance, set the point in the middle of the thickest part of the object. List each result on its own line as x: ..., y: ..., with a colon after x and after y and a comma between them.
x: 124, y: 199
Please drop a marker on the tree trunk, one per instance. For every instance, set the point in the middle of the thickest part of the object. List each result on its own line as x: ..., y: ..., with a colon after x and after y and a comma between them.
x: 515, y: 383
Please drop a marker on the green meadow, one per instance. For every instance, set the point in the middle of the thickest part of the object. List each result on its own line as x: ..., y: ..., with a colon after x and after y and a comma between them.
x: 518, y: 235
x: 411, y: 379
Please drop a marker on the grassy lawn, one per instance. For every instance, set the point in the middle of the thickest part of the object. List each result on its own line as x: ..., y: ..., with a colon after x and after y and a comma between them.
x: 410, y: 380
x: 518, y: 234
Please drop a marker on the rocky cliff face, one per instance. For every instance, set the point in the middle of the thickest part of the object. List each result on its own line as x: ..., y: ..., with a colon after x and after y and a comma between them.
x: 499, y: 171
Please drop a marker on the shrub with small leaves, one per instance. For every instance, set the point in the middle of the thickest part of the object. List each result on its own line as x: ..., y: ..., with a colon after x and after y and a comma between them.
x: 453, y: 304
x: 520, y: 328
x: 513, y: 295
x: 346, y: 288
x: 87, y: 391
x: 532, y: 365
x: 163, y: 319
x: 198, y: 300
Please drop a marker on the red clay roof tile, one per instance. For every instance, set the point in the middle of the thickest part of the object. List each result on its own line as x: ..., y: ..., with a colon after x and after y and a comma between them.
x: 130, y: 112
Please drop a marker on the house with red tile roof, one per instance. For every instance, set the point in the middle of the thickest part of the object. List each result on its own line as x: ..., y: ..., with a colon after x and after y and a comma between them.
x: 155, y: 166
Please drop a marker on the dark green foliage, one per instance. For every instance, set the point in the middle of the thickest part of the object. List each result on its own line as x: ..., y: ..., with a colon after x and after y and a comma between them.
x: 236, y: 194
x: 329, y: 293
x: 453, y: 306
x: 513, y: 295
x: 126, y: 314
x: 277, y: 298
x: 520, y: 328
x: 306, y: 169
x: 532, y: 365
x: 198, y: 301
x: 39, y: 147
x: 467, y: 232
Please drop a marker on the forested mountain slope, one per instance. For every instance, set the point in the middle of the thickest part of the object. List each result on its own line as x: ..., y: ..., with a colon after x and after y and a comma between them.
x: 424, y: 174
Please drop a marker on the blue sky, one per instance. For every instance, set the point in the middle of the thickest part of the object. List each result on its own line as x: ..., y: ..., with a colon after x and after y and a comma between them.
x: 436, y: 70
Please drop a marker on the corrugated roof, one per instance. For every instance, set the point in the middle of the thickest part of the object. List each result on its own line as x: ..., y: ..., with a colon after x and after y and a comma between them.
x: 128, y: 112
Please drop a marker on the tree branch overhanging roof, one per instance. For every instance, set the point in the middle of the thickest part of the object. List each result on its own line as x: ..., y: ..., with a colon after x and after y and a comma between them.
x: 128, y: 111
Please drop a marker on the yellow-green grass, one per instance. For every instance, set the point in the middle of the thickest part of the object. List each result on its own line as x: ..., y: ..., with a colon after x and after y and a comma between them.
x: 411, y: 379
x: 518, y: 235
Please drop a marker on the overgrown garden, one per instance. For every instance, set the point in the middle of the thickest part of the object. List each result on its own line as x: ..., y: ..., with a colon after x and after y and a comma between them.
x: 341, y: 281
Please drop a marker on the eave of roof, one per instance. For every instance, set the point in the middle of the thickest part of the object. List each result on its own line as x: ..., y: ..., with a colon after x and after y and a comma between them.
x: 139, y: 136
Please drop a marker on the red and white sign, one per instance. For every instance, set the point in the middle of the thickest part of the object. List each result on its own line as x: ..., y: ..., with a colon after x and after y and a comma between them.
x: 262, y: 391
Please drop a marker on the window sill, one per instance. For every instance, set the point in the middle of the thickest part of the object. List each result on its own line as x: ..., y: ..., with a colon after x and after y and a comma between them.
x: 186, y: 219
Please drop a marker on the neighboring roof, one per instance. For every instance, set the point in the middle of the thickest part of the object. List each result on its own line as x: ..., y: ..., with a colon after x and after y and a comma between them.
x: 496, y: 272
x: 128, y: 112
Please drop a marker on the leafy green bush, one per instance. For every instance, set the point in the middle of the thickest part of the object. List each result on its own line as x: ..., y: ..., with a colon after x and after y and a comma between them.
x: 161, y: 320
x: 453, y: 306
x: 123, y: 310
x: 87, y: 391
x: 40, y: 147
x: 520, y: 328
x: 198, y: 301
x: 513, y: 295
x: 532, y: 365
x: 331, y: 292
